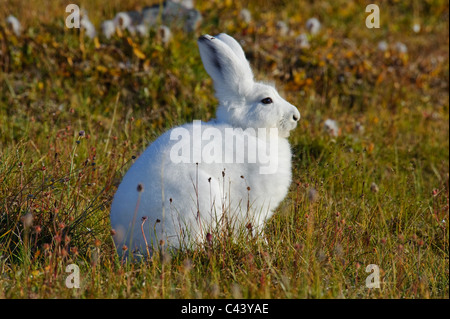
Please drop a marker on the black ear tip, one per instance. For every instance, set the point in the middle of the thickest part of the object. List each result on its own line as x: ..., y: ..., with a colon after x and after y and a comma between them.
x: 205, y: 37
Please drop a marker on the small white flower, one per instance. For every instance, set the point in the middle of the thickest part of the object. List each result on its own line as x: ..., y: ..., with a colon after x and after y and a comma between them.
x: 14, y: 24
x: 245, y: 15
x: 282, y: 27
x: 302, y: 41
x: 125, y: 21
x: 331, y: 127
x: 313, y: 195
x: 188, y: 4
x: 87, y: 25
x: 416, y: 27
x: 383, y: 46
x: 401, y: 47
x: 359, y: 128
x: 313, y: 26
x: 142, y: 30
x: 108, y: 28
x: 374, y: 188
x: 164, y: 33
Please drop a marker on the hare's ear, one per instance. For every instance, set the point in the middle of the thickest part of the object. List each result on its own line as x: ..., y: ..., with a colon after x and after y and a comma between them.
x: 234, y: 45
x: 225, y: 62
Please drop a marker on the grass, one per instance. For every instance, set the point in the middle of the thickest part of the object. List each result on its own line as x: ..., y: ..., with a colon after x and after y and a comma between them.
x: 74, y: 113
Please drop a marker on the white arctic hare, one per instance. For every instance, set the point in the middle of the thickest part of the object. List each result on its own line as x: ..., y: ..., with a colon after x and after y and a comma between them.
x: 181, y: 197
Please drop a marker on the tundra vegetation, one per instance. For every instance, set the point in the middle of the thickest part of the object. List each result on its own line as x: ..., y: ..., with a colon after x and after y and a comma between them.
x: 369, y: 187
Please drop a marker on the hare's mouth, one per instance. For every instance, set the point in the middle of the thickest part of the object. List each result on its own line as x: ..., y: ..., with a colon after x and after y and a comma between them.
x: 285, y: 127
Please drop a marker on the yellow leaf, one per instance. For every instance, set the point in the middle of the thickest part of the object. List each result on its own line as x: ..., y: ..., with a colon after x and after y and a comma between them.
x: 96, y: 43
x: 130, y: 41
x: 380, y: 78
x: 101, y: 68
x: 139, y: 53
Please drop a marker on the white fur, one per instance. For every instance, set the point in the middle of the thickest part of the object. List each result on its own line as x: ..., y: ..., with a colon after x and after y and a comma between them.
x: 180, y: 223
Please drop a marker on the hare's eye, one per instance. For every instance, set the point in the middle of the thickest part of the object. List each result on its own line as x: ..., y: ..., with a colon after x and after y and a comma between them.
x: 267, y: 100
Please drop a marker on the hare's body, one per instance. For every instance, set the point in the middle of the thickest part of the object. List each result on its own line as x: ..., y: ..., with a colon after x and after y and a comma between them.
x: 215, y: 189
x: 181, y: 200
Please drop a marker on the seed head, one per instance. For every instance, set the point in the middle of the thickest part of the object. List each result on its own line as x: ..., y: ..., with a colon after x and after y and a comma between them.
x: 209, y: 238
x: 140, y: 187
x: 37, y: 229
x: 74, y: 250
x: 313, y: 195
x: 27, y: 220
x: 57, y: 238
x: 374, y: 188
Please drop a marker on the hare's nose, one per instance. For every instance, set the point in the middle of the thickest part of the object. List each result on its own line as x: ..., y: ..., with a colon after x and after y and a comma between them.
x: 296, y: 115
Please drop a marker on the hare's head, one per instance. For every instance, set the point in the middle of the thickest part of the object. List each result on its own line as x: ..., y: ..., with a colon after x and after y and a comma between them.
x: 242, y: 101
